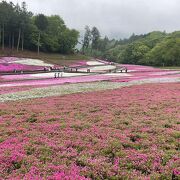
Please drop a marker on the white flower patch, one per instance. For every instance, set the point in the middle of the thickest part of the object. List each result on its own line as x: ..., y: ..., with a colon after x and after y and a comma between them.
x: 132, y: 70
x: 32, y: 62
x: 7, y: 85
x: 49, y: 75
x: 94, y: 63
x: 99, y: 68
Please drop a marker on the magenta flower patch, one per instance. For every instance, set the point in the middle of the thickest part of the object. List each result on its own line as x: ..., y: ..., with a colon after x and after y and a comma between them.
x: 128, y: 133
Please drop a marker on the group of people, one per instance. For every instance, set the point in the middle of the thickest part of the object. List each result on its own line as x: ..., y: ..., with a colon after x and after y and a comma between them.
x: 58, y: 74
x: 51, y: 68
x: 15, y: 71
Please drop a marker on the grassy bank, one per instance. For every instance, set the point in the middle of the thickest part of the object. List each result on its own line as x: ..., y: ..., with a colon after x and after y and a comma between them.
x: 53, y: 58
x: 171, y: 67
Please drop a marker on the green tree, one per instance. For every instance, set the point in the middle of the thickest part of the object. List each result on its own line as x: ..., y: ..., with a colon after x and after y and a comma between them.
x: 95, y: 38
x: 42, y: 23
x: 19, y: 27
x: 56, y: 27
x: 5, y: 13
x: 25, y: 22
x: 87, y: 39
x: 68, y: 41
x: 166, y: 53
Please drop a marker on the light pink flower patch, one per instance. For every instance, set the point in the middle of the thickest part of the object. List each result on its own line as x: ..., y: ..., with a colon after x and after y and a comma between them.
x: 57, y: 81
x: 165, y: 73
x: 7, y: 59
x: 9, y: 64
x: 6, y: 67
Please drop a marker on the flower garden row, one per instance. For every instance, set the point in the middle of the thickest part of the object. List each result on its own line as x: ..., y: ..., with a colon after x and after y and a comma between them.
x: 10, y: 64
x: 14, y: 83
x: 41, y: 90
x: 42, y: 79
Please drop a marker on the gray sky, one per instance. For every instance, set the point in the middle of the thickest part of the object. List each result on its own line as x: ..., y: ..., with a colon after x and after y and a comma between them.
x: 115, y: 18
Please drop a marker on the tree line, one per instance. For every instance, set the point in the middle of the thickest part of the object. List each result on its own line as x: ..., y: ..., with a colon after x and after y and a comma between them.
x: 20, y: 29
x: 155, y: 48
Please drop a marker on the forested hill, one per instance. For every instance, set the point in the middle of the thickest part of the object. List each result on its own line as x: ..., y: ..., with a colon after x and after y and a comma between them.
x: 155, y: 48
x: 20, y: 29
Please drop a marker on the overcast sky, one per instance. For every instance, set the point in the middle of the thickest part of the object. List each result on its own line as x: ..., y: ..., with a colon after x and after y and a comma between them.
x: 115, y: 18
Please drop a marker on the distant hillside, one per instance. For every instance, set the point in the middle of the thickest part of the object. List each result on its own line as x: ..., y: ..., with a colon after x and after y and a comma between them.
x: 155, y: 48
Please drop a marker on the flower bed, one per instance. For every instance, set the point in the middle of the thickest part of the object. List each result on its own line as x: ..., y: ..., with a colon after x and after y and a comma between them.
x: 41, y: 76
x: 50, y: 89
x: 7, y: 59
x: 93, y: 63
x: 14, y: 89
x: 129, y: 133
x: 68, y: 78
x: 139, y: 68
x: 58, y: 81
x: 32, y: 62
x: 9, y: 64
x: 103, y: 68
x: 6, y: 67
